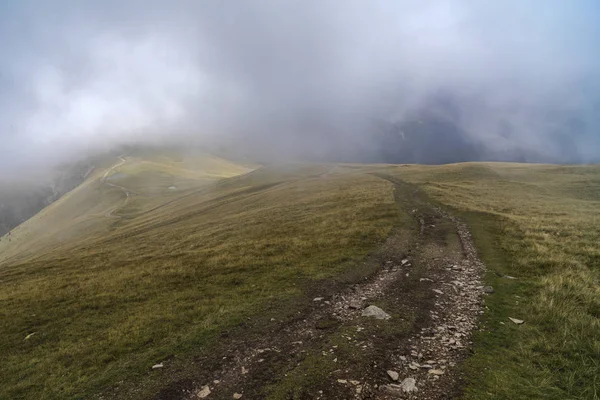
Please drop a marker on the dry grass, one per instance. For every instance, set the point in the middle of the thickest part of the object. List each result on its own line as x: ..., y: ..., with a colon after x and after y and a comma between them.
x: 178, y: 268
x: 152, y: 181
x: 541, y: 224
x: 163, y: 283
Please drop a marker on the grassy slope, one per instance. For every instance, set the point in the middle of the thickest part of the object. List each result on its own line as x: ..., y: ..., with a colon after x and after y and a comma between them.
x: 177, y: 268
x: 164, y: 281
x: 540, y: 224
x: 95, y: 206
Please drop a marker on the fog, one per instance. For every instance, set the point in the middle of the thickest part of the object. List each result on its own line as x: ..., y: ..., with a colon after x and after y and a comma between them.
x: 377, y: 81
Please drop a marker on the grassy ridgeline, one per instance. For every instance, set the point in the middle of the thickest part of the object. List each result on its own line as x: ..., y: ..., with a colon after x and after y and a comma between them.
x: 166, y: 271
x: 165, y: 282
x: 540, y: 224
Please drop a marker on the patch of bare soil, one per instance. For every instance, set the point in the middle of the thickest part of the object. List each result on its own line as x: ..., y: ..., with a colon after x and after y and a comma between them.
x: 429, y: 285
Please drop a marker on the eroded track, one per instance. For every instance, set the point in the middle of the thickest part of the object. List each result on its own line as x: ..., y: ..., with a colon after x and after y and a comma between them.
x: 427, y: 277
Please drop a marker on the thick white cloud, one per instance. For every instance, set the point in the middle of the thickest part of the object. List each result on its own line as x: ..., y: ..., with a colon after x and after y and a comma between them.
x: 299, y: 77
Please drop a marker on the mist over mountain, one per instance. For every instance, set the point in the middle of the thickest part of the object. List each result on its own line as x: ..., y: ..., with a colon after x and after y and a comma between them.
x: 20, y: 200
x: 380, y: 81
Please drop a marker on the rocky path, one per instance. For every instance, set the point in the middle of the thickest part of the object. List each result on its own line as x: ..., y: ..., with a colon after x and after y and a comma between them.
x: 401, y: 333
x: 434, y: 352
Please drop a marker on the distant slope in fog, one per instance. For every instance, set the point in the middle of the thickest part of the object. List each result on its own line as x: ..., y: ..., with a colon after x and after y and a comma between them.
x: 20, y: 200
x: 123, y: 187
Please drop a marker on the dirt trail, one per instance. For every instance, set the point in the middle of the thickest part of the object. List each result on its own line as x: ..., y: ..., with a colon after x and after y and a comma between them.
x: 110, y: 212
x: 428, y: 279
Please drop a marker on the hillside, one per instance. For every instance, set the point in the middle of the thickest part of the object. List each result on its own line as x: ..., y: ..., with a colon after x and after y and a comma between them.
x: 118, y: 188
x: 197, y: 265
x: 23, y: 198
x: 18, y: 204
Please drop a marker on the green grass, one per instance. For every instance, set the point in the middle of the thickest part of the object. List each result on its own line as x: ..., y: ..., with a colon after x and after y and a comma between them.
x: 109, y: 297
x: 163, y: 283
x: 82, y: 213
x: 541, y: 224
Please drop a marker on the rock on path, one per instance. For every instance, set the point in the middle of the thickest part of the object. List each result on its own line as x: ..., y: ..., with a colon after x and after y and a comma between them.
x: 409, y: 385
x: 203, y: 392
x: 375, y: 312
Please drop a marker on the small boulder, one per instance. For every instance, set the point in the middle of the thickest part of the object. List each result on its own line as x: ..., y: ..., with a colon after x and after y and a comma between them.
x: 392, y: 389
x: 157, y: 366
x: 318, y: 298
x: 393, y: 375
x: 414, y: 366
x: 516, y: 321
x: 203, y: 392
x: 409, y: 385
x: 436, y: 371
x: 237, y: 396
x: 375, y: 312
x: 488, y: 289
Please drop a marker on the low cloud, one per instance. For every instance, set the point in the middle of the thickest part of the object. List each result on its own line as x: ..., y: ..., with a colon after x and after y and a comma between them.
x: 403, y: 81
